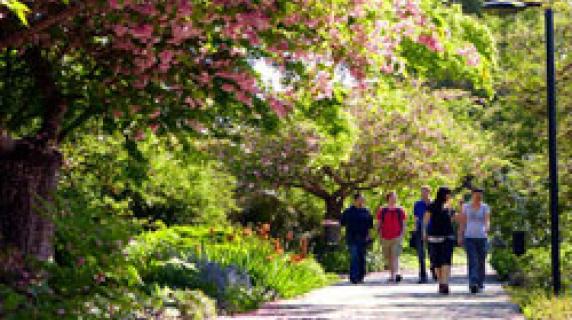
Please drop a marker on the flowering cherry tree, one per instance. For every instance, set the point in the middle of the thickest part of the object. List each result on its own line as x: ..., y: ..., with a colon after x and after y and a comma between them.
x: 167, y: 64
x: 389, y: 150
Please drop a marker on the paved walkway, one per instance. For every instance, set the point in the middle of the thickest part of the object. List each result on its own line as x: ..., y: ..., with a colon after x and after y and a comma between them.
x: 376, y: 299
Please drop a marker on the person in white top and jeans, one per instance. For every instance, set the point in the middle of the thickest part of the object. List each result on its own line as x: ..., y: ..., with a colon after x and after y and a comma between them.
x: 475, y: 221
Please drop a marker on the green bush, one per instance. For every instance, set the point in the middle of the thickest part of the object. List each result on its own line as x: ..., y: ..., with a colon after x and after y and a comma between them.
x: 180, y: 304
x: 533, y: 275
x: 536, y: 267
x: 173, y: 256
x: 504, y: 262
x: 537, y: 304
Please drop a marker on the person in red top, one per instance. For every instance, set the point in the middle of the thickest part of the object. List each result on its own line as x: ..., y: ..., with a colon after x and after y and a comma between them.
x: 391, y: 222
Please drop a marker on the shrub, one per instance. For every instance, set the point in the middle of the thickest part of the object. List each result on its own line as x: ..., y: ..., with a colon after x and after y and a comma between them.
x: 180, y: 304
x: 536, y: 267
x: 537, y: 304
x: 533, y: 272
x: 239, y: 269
x: 504, y: 262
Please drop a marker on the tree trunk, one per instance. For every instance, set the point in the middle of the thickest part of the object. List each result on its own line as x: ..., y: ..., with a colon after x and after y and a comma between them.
x: 334, y: 207
x: 28, y: 179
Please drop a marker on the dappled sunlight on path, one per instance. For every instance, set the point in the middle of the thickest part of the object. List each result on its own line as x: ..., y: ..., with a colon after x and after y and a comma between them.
x: 376, y: 299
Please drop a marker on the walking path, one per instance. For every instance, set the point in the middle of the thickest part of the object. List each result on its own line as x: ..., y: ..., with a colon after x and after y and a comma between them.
x: 376, y: 299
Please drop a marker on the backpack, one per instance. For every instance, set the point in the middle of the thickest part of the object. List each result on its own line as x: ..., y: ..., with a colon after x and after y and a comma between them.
x: 400, y: 217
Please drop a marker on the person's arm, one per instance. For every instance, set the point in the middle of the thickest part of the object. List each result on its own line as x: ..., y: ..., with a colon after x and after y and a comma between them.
x: 343, y: 219
x: 378, y: 217
x: 403, y: 223
x: 462, y: 220
x: 370, y: 221
x: 426, y: 219
x: 488, y: 220
x: 416, y: 213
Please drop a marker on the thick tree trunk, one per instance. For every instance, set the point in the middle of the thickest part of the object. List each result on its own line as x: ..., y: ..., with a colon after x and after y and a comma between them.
x: 29, y: 170
x: 334, y: 207
x: 28, y: 179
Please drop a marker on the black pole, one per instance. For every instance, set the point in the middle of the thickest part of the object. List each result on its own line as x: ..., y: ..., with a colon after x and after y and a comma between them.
x: 552, y: 151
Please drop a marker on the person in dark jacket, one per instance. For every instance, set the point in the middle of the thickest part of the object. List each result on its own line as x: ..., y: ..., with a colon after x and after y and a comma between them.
x: 440, y: 235
x: 358, y: 221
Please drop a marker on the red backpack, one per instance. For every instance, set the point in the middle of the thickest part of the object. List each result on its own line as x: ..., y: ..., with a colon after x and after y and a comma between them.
x: 400, y: 217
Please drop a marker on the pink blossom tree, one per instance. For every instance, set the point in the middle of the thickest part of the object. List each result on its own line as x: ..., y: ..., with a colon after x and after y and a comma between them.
x: 165, y: 65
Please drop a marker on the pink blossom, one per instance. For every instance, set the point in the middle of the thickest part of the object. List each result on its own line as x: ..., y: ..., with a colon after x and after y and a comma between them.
x: 277, y: 106
x: 154, y: 127
x: 120, y: 30
x: 471, y: 55
x: 166, y: 56
x: 135, y: 109
x: 387, y: 68
x: 117, y: 114
x: 99, y: 278
x: 227, y: 87
x: 431, y: 42
x: 143, y: 32
x: 190, y: 102
x: 155, y: 114
x: 114, y: 4
x: 139, y: 135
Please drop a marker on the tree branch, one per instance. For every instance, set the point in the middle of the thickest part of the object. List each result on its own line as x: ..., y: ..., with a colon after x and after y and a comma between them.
x: 82, y: 118
x: 54, y: 103
x: 17, y: 39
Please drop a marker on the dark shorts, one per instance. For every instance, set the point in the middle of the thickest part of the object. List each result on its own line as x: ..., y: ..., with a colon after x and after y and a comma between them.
x: 441, y: 253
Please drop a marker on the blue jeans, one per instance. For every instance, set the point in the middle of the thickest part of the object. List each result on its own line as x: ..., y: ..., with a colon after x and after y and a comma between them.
x: 357, y: 261
x: 420, y: 244
x: 476, y: 255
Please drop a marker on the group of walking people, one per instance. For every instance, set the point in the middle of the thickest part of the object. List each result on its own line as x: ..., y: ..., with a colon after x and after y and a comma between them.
x: 439, y: 227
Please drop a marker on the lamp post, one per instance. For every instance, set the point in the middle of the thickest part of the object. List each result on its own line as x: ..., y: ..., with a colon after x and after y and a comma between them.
x: 512, y: 7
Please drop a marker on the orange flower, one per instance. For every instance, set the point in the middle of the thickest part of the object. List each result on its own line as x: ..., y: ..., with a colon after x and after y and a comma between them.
x: 264, y: 230
x: 247, y: 232
x: 277, y: 245
x: 296, y: 258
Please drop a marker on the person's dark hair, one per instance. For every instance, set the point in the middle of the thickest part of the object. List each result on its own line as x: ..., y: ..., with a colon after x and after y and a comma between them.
x: 477, y: 190
x: 357, y: 196
x: 441, y: 197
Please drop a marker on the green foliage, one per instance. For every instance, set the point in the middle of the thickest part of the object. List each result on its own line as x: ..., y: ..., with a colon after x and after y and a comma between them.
x: 504, y: 262
x: 185, y: 304
x: 531, y: 275
x: 18, y: 8
x: 286, y: 210
x: 163, y: 179
x: 517, y: 118
x: 447, y: 68
x: 534, y: 267
x: 537, y: 305
x: 173, y: 256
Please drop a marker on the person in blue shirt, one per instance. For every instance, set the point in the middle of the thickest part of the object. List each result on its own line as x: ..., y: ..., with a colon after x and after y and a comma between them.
x: 419, y: 210
x: 358, y: 221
